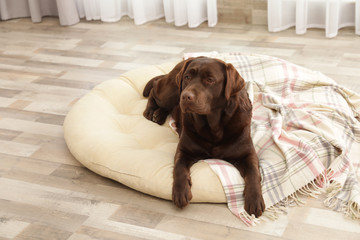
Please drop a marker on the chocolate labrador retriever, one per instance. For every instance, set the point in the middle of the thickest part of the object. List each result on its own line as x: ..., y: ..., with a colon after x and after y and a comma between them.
x: 212, y: 110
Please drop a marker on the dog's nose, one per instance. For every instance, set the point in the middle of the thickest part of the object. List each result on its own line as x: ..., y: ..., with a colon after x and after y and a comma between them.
x: 188, y: 96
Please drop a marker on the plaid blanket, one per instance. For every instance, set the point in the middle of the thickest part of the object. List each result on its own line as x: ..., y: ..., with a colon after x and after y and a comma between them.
x: 306, y: 131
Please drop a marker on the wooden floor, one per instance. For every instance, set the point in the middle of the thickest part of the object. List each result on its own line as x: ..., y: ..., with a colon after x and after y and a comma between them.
x: 44, y: 69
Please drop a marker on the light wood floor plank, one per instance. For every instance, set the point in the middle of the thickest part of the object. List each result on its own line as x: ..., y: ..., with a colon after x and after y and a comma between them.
x: 66, y: 60
x: 10, y: 163
x: 37, y: 215
x: 11, y: 228
x: 90, y: 233
x: 43, y: 232
x: 31, y: 127
x: 18, y: 149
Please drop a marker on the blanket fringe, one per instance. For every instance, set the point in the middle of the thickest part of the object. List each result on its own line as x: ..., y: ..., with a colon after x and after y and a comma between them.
x: 322, y: 184
x: 351, y: 209
x: 314, y: 189
x: 249, y: 220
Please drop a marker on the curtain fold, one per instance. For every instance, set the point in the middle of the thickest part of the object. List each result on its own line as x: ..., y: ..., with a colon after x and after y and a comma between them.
x: 68, y: 12
x: 193, y: 13
x: 145, y: 10
x: 196, y: 12
x: 14, y: 9
x: 181, y: 12
x: 39, y: 8
x: 303, y: 14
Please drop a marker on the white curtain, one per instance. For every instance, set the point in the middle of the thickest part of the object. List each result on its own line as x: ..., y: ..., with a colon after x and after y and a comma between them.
x: 27, y: 8
x: 190, y: 12
x: 328, y: 14
x: 182, y: 12
x: 113, y: 10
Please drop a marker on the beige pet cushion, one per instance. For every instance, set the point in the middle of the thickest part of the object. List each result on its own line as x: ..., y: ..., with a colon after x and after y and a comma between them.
x: 107, y: 133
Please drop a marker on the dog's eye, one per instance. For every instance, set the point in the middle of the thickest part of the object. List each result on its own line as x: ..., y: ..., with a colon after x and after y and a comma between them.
x: 210, y: 80
x: 186, y: 77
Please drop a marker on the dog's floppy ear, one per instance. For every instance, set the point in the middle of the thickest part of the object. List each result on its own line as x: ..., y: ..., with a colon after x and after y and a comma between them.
x: 234, y: 82
x: 180, y: 74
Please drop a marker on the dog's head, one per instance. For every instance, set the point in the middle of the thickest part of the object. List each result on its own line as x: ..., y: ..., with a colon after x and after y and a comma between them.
x: 206, y: 84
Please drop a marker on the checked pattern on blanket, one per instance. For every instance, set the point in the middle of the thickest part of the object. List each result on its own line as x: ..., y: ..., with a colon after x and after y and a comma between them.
x: 306, y: 131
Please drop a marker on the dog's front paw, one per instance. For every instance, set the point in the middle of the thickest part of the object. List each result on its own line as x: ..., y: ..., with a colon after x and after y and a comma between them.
x: 254, y: 202
x: 181, y: 194
x: 148, y: 113
x: 159, y: 116
x: 156, y: 115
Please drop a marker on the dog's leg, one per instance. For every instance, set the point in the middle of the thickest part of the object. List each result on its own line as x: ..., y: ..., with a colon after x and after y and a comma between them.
x: 153, y: 112
x: 249, y: 170
x: 149, y: 85
x: 181, y: 192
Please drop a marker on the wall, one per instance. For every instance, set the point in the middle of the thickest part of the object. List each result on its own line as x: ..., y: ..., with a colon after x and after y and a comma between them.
x: 243, y: 11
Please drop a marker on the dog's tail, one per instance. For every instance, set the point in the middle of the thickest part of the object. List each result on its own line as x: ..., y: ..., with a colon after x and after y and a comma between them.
x: 150, y: 85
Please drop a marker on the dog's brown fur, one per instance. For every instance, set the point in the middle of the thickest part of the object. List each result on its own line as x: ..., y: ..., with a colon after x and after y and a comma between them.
x: 207, y: 99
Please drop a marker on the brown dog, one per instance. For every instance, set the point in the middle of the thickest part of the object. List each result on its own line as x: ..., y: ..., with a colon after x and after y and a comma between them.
x: 212, y: 110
